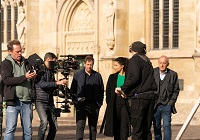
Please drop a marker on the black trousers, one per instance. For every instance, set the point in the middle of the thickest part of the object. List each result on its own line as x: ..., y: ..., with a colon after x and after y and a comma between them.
x: 141, y: 112
x: 121, y: 122
x: 81, y: 115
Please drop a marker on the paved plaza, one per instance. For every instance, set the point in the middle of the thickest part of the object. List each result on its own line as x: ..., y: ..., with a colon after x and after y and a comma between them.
x: 67, y: 129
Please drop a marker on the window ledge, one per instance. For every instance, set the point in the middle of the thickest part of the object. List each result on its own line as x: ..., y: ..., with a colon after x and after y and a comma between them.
x: 176, y: 53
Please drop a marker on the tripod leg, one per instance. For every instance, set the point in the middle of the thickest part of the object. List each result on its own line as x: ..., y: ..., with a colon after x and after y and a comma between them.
x: 189, y: 118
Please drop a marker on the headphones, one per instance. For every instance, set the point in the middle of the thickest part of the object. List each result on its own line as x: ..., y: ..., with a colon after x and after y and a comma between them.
x: 130, y: 48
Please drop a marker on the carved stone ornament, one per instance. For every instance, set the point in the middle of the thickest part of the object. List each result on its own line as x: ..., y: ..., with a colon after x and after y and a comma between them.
x: 80, y: 47
x: 110, y: 18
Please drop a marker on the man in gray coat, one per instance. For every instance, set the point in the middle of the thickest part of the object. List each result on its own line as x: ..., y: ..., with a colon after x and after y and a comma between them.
x: 167, y: 93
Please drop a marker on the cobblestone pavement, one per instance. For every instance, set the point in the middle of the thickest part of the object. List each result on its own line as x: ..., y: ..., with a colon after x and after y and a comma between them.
x: 67, y: 130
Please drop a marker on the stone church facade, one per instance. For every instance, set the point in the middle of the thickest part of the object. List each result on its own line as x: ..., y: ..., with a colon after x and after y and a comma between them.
x: 106, y: 28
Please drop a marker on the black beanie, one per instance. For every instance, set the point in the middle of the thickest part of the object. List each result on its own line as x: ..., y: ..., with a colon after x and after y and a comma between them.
x: 139, y: 47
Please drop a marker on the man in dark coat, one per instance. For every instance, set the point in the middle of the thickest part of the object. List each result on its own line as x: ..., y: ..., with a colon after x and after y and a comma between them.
x: 139, y: 86
x: 167, y: 92
x: 88, y: 90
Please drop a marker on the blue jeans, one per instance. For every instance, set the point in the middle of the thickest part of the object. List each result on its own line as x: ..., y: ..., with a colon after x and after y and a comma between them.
x: 47, y: 116
x: 26, y: 114
x: 162, y: 112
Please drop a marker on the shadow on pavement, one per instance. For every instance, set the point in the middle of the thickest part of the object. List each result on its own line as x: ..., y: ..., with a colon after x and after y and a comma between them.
x: 66, y: 132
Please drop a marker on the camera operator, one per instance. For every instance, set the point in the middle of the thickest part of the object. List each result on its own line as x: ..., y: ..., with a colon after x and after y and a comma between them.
x: 87, y: 87
x: 45, y: 86
x: 17, y: 90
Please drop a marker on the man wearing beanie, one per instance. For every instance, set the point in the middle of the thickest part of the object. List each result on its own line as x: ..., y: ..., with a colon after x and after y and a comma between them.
x: 139, y: 88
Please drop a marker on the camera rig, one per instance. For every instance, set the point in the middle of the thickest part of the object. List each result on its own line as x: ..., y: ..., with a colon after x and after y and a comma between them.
x: 65, y: 67
x: 63, y: 92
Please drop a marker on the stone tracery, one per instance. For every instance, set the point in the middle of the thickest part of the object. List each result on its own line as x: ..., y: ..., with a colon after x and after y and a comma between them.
x: 81, y: 19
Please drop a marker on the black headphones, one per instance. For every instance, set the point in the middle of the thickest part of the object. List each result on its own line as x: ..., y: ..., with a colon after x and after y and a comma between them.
x: 130, y: 48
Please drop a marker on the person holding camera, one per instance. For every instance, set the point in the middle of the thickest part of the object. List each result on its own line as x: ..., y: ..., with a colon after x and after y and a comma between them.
x: 88, y: 89
x: 45, y: 86
x: 18, y: 90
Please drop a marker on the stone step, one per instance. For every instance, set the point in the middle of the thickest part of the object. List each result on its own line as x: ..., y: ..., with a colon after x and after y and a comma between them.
x: 66, y: 121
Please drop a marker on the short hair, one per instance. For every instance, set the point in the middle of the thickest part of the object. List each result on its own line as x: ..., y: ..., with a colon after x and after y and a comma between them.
x: 50, y: 55
x: 88, y: 58
x: 138, y: 47
x: 11, y: 43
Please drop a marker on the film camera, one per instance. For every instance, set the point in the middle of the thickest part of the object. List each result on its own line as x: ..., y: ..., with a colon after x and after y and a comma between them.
x: 37, y: 64
x: 64, y: 66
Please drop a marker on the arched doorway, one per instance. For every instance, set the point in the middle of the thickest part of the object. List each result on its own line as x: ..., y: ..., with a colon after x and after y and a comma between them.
x: 76, y: 30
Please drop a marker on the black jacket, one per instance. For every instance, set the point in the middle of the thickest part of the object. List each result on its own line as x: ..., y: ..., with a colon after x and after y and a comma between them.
x: 10, y: 81
x: 111, y: 101
x: 172, y: 88
x: 45, y: 87
x: 140, y: 78
x: 77, y: 86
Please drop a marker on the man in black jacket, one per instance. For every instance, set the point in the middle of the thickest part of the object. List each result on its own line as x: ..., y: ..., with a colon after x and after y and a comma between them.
x: 45, y: 86
x: 168, y: 91
x: 139, y: 86
x: 88, y: 89
x: 18, y: 85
